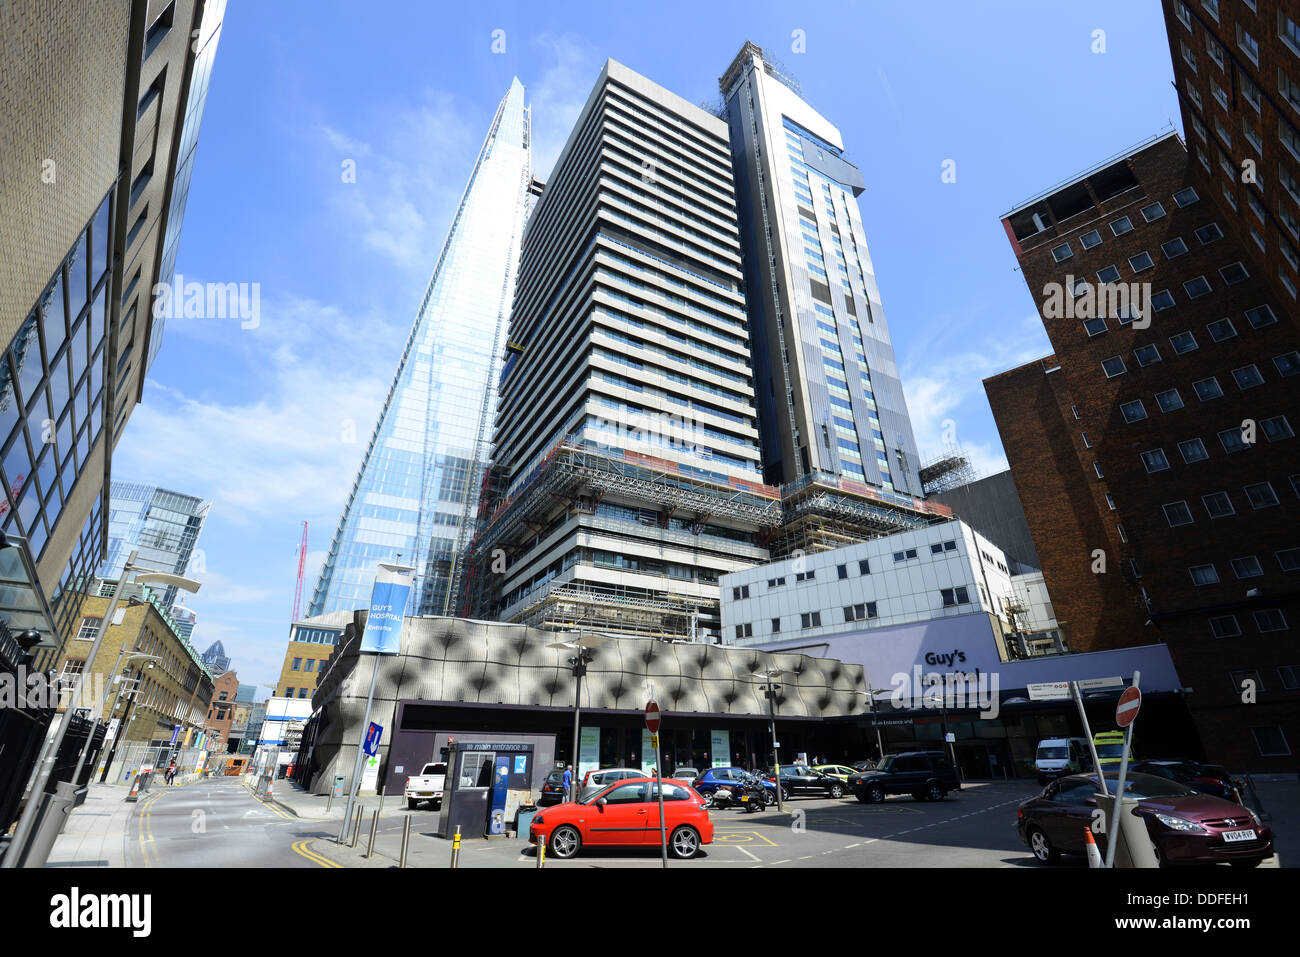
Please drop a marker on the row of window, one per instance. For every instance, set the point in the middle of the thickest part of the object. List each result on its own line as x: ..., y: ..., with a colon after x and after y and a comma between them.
x: 1150, y: 213
x: 1276, y: 429
x: 1219, y: 504
x: 1288, y: 676
x: 1266, y: 620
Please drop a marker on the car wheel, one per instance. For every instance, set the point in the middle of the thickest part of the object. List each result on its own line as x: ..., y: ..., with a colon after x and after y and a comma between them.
x: 1255, y: 863
x: 684, y: 842
x: 837, y: 791
x: 565, y: 842
x: 1042, y: 847
x: 412, y: 804
x: 708, y: 800
x: 875, y: 794
x: 934, y: 793
x: 769, y: 797
x: 785, y: 795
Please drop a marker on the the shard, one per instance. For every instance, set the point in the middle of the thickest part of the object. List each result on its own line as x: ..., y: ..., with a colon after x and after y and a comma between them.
x: 416, y: 494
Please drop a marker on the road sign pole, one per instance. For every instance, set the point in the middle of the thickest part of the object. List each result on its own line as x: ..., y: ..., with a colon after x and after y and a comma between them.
x: 652, y: 725
x: 1112, y: 839
x: 1087, y: 731
x: 355, y: 783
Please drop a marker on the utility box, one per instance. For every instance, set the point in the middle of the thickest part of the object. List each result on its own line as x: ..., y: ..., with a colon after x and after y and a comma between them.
x: 486, y: 783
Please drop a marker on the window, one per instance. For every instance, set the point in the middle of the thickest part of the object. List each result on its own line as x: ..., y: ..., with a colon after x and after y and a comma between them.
x: 1233, y: 273
x: 1169, y: 400
x: 1177, y: 513
x: 860, y: 612
x: 1270, y: 619
x: 776, y: 625
x: 776, y: 582
x: 1261, y: 495
x: 89, y: 628
x: 1247, y: 377
x: 1203, y: 575
x: 1113, y: 366
x: 311, y: 665
x: 297, y: 664
x: 739, y: 592
x: 1247, y: 566
x: 1154, y: 460
x: 1209, y: 233
x: 1221, y: 330
x: 1146, y: 355
x: 288, y: 692
x: 1096, y: 468
x: 1183, y: 343
x: 1133, y: 410
x: 1249, y: 45
x: 1207, y: 389
x: 1290, y: 677
x: 1173, y: 247
x: 1094, y: 327
x: 805, y: 576
x: 1260, y: 316
x: 810, y: 619
x: 1232, y: 440
x: 842, y: 571
x: 904, y: 555
x: 1193, y: 450
x: 1090, y: 239
x: 1196, y: 288
x: 1141, y: 262
x: 745, y: 631
x: 1162, y: 300
x: 1152, y: 212
x: 1288, y: 559
x: 1110, y: 502
x: 1218, y: 505
x: 1121, y: 226
x: 1062, y: 252
x: 864, y: 566
x: 1185, y: 196
x: 1288, y: 364
x: 954, y: 596
x: 1225, y: 626
x: 1289, y: 89
x: 1277, y: 428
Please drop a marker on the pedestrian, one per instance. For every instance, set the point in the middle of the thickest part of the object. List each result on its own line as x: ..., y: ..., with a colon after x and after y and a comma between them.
x: 568, y: 780
x: 171, y: 773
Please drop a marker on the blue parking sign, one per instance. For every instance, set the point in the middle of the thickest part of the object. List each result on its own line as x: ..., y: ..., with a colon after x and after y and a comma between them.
x: 373, y: 734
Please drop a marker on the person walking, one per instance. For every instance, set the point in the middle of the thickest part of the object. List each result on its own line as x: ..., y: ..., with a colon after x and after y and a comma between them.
x: 171, y: 773
x: 568, y: 782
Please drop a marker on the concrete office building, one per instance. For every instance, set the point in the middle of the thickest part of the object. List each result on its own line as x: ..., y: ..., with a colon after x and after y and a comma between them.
x: 1166, y: 448
x: 992, y: 507
x: 161, y: 525
x: 103, y: 102
x: 836, y: 434
x: 311, y: 642
x: 627, y: 469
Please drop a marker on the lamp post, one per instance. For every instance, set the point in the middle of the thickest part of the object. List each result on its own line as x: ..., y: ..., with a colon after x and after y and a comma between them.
x: 81, y: 760
x: 131, y: 573
x: 870, y: 695
x: 770, y: 688
x: 582, y: 656
x: 943, y: 711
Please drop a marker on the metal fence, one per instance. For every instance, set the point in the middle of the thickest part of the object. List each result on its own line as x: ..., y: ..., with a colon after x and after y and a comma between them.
x: 130, y: 758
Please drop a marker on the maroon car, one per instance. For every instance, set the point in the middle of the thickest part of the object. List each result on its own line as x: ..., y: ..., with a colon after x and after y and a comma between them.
x: 1185, y: 826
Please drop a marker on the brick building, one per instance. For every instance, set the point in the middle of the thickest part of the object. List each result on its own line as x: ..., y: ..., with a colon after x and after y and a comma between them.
x: 1153, y: 451
x: 221, y: 710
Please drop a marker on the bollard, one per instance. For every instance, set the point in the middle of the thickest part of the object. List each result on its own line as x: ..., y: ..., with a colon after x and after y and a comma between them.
x: 374, y: 826
x: 356, y: 827
x: 406, y: 840
x: 329, y: 801
x: 455, y: 848
x: 541, y: 855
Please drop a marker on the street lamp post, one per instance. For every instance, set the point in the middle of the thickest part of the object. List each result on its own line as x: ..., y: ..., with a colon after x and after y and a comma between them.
x: 943, y: 711
x: 582, y: 656
x: 770, y: 689
x: 870, y: 694
x: 81, y: 760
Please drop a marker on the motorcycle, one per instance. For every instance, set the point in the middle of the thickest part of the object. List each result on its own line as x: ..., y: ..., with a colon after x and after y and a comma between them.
x: 747, y: 794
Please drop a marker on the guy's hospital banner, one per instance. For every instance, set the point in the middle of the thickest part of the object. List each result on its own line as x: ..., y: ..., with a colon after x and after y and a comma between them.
x: 383, y: 633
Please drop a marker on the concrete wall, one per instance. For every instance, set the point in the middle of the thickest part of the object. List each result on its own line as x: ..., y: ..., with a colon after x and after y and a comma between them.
x: 992, y: 507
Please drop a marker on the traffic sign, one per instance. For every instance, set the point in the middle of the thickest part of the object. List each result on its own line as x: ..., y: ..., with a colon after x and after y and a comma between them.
x: 652, y: 717
x: 1127, y: 709
x: 1048, y: 690
x: 373, y: 734
x: 1092, y: 684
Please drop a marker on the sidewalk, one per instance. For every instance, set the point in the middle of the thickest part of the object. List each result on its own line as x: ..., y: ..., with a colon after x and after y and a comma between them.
x: 1280, y: 796
x: 95, y: 835
x: 295, y: 799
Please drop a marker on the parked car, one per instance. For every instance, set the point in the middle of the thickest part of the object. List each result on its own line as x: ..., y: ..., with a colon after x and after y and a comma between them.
x: 685, y: 774
x: 801, y: 779
x: 553, y: 789
x: 1206, y: 778
x: 1057, y: 757
x: 714, y: 778
x: 594, y: 781
x: 626, y: 814
x: 840, y: 771
x: 860, y: 766
x: 426, y: 786
x: 926, y: 775
x: 1110, y: 749
x: 1185, y: 826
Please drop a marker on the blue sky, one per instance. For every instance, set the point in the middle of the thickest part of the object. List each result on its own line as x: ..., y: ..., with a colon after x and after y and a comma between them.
x: 270, y: 423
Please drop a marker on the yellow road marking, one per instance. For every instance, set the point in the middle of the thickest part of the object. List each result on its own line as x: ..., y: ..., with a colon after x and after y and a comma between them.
x: 145, y: 824
x: 739, y: 837
x: 301, y: 849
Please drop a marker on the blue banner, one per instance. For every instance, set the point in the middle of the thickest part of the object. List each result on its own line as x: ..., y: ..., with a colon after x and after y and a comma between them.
x: 383, y: 634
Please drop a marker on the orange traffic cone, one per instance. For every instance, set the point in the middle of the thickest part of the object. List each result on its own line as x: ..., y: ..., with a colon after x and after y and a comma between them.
x: 135, y: 790
x: 1094, y: 853
x: 270, y: 791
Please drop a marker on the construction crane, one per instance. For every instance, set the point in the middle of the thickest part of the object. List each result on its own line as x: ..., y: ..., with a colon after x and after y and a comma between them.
x: 302, y: 561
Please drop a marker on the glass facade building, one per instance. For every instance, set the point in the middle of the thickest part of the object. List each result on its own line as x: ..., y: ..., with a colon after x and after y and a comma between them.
x: 415, y: 498
x: 163, y: 526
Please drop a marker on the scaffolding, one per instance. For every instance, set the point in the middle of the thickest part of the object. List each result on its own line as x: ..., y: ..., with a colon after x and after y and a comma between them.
x: 616, y: 609
x: 950, y: 469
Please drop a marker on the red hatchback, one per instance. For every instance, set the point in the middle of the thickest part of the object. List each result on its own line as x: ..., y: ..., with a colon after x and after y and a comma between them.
x: 1185, y: 826
x: 626, y: 815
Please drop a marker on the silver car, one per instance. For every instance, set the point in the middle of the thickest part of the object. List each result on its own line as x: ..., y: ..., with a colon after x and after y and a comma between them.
x: 599, y: 780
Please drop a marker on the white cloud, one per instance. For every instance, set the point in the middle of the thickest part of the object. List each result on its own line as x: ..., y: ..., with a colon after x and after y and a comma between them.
x: 559, y: 94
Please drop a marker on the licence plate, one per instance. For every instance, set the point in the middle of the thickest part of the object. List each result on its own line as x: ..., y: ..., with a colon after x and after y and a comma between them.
x: 425, y: 794
x: 1234, y: 836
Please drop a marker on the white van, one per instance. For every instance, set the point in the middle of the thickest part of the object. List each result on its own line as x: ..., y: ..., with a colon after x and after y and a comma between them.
x: 1057, y: 757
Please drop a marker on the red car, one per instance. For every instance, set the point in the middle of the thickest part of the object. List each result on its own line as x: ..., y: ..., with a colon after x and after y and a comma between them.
x: 1185, y: 826
x: 626, y: 814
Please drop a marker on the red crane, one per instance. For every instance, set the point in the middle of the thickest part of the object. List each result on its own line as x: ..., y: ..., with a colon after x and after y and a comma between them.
x: 302, y: 560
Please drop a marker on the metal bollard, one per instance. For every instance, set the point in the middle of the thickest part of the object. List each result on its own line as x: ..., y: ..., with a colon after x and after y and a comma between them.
x: 406, y: 840
x: 541, y: 855
x: 374, y: 826
x: 455, y: 848
x: 356, y: 827
x: 329, y: 801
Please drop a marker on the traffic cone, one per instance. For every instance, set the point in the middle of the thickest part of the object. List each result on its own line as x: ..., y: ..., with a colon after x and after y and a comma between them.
x: 270, y: 791
x: 135, y: 790
x: 1094, y: 853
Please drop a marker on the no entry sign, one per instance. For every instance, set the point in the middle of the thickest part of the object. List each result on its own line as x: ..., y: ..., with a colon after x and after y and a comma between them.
x: 652, y: 717
x: 1127, y: 709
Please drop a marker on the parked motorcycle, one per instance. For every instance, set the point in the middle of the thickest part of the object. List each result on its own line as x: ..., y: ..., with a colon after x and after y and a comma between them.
x: 748, y: 794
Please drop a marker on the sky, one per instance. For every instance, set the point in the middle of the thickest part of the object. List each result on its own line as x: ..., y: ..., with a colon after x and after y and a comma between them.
x: 270, y: 421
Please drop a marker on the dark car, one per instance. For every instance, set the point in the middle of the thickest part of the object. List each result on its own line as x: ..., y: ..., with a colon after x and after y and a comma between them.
x: 801, y: 779
x: 926, y: 775
x: 1185, y: 826
x: 715, y: 778
x: 553, y: 789
x: 1206, y: 778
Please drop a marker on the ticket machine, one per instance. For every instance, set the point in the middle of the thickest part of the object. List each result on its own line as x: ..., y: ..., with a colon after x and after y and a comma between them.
x: 486, y: 782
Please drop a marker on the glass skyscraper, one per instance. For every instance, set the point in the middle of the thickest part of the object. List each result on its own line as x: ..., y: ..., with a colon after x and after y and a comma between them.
x: 163, y: 526
x: 415, y: 498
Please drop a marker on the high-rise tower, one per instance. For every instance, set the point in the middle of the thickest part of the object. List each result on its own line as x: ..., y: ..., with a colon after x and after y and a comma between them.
x: 416, y: 493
